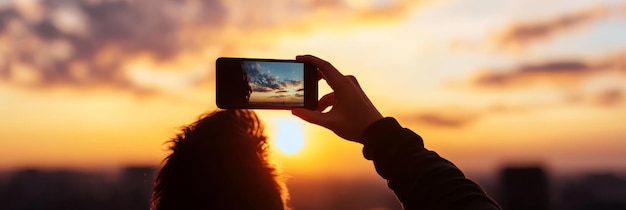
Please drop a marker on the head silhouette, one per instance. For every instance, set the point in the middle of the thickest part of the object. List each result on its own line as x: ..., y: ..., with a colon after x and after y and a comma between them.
x: 219, y: 162
x: 236, y: 84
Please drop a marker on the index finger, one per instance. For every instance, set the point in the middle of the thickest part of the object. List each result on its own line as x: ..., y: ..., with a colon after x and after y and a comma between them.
x: 331, y: 74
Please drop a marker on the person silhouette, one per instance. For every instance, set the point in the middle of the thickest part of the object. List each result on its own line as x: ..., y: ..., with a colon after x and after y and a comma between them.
x: 219, y: 162
x: 421, y: 179
x: 237, y: 83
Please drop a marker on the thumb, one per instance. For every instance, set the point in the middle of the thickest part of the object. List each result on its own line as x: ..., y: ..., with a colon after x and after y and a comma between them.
x: 311, y: 116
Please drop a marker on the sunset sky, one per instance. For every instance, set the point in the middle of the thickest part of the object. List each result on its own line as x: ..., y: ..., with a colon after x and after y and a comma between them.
x: 275, y: 82
x: 100, y: 84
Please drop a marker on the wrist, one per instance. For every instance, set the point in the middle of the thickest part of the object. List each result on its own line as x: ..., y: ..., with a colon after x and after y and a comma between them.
x: 367, y: 125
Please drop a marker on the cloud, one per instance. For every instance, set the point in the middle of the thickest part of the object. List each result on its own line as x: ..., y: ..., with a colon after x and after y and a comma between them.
x: 446, y: 117
x: 278, y: 96
x: 443, y: 120
x: 556, y: 72
x: 552, y: 84
x: 86, y: 43
x: 519, y: 35
x: 455, y: 117
x: 598, y: 82
x: 89, y: 43
x: 305, y: 15
x: 262, y: 81
x: 609, y: 97
x: 559, y: 73
x: 281, y: 91
x: 292, y: 83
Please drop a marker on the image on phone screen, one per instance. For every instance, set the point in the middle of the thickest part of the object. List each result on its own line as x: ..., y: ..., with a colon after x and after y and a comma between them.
x: 275, y: 83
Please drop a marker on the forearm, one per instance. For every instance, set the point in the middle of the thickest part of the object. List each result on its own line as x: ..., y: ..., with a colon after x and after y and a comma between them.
x: 420, y: 178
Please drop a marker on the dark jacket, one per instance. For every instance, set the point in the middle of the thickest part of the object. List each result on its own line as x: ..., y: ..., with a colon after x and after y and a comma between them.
x: 421, y: 179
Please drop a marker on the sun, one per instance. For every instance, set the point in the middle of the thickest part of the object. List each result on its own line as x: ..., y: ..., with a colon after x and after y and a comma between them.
x: 288, y: 136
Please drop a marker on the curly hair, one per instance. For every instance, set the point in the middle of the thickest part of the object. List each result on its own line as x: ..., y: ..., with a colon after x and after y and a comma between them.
x: 219, y: 162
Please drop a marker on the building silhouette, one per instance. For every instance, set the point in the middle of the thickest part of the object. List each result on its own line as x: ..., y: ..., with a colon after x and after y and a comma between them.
x: 518, y: 188
x: 524, y: 188
x: 35, y: 189
x: 594, y: 192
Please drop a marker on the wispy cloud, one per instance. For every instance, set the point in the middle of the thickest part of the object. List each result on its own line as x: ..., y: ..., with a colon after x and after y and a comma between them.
x: 445, y: 117
x: 445, y: 120
x: 608, y: 97
x: 566, y: 72
x: 455, y: 117
x: 596, y: 82
x: 554, y: 73
x: 519, y: 35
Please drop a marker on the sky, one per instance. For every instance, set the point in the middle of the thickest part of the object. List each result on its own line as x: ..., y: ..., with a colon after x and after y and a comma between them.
x: 100, y: 84
x: 275, y: 82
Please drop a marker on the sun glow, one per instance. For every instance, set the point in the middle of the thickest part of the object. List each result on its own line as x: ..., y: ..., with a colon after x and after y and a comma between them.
x: 288, y: 136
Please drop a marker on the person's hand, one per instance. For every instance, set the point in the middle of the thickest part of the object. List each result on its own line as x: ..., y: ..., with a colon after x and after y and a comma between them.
x: 351, y: 113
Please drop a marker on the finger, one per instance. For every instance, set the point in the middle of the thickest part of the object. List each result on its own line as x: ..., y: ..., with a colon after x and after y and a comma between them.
x: 311, y: 116
x: 330, y: 73
x: 320, y: 75
x: 352, y: 80
x: 325, y: 102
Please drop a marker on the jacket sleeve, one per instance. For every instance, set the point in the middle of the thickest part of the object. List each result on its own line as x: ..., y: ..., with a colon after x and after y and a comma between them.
x: 421, y: 179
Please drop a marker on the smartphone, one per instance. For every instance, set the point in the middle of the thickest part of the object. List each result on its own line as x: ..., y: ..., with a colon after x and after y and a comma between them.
x: 253, y: 83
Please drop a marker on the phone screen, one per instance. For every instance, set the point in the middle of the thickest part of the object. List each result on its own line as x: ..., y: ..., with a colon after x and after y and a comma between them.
x: 275, y: 83
x: 265, y: 84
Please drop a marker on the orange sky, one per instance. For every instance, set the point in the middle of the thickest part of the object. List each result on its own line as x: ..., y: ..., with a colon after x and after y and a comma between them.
x: 485, y: 83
